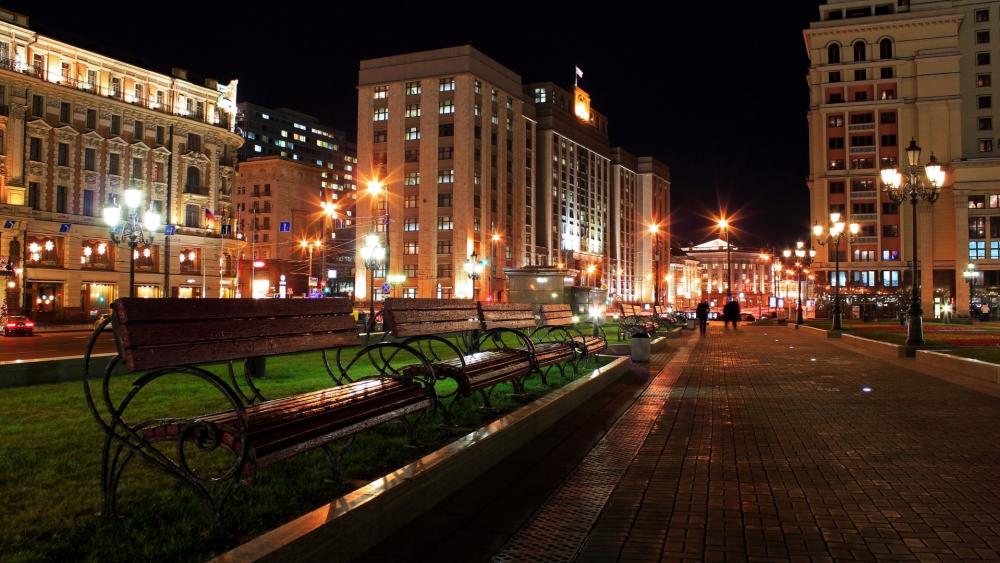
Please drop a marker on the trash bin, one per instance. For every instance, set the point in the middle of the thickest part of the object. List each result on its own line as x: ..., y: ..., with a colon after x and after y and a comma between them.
x: 691, y: 324
x: 640, y: 347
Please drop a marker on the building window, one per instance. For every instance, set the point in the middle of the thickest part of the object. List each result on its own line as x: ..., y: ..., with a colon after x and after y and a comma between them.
x: 977, y: 201
x: 137, y: 168
x: 412, y: 110
x: 977, y: 250
x: 890, y: 255
x: 994, y: 201
x: 91, y: 119
x: 411, y: 155
x: 446, y: 176
x: 835, y: 121
x: 836, y: 187
x: 446, y: 107
x: 994, y: 249
x: 994, y: 227
x: 860, y: 74
x: 411, y: 179
x: 446, y: 130
x: 833, y: 77
x: 37, y: 106
x: 193, y: 178
x: 977, y: 227
x: 64, y: 112
x: 116, y: 125
x: 982, y: 16
x: 381, y: 114
x: 380, y: 136
x: 888, y: 140
x: 859, y: 50
x: 887, y: 117
x: 444, y: 246
x: 34, y: 195
x: 984, y: 80
x: 61, y: 199
x: 983, y: 36
x: 445, y: 223
x: 381, y: 92
x: 96, y: 254
x: 35, y: 149
x: 138, y: 129
x: 836, y: 164
x: 446, y: 153
x: 890, y: 278
x: 541, y: 95
x: 836, y: 142
x: 885, y: 48
x: 446, y: 85
x: 444, y: 270
x: 192, y: 215
x: 983, y: 58
x: 885, y: 72
x: 410, y: 248
x: 985, y: 145
x: 444, y: 199
x: 985, y: 123
x: 412, y: 88
x: 412, y: 134
x: 890, y: 208
x: 891, y: 231
x: 114, y: 164
x: 984, y: 102
x: 411, y: 224
x: 409, y: 293
x: 62, y: 154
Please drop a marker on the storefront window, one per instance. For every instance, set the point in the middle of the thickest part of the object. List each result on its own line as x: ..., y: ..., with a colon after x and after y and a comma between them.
x: 190, y: 259
x: 96, y: 298
x: 146, y: 258
x: 45, y: 251
x: 97, y: 255
x: 47, y: 297
x: 147, y: 291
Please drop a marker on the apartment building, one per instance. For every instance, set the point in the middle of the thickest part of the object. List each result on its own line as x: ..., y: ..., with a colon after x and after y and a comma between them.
x: 472, y: 162
x: 301, y: 138
x: 881, y: 74
x: 76, y: 129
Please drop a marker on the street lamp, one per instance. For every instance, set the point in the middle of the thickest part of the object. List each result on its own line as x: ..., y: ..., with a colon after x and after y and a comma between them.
x: 909, y: 184
x: 375, y: 189
x: 800, y: 263
x: 493, y: 261
x: 474, y: 269
x: 835, y: 233
x: 372, y: 254
x: 130, y: 229
x: 310, y: 245
x: 971, y: 275
x: 654, y: 230
x: 723, y: 225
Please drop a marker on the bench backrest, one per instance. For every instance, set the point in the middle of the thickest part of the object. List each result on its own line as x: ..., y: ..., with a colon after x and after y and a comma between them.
x: 507, y: 315
x: 156, y: 333
x: 556, y: 315
x: 657, y: 310
x: 423, y: 317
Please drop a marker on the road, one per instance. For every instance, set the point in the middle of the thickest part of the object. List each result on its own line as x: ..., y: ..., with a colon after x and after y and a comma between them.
x: 51, y: 345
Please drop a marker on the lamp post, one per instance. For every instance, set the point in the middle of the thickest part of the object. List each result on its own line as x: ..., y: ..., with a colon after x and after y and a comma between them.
x: 375, y: 189
x: 130, y: 229
x: 971, y: 275
x: 801, y: 253
x: 909, y: 184
x: 473, y: 269
x: 654, y: 230
x: 372, y: 254
x: 309, y: 245
x: 590, y: 274
x: 330, y: 210
x: 723, y: 225
x: 834, y: 234
x: 493, y: 261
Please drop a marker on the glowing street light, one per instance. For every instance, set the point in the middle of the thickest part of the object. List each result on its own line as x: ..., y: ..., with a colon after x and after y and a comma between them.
x: 131, y: 229
x: 834, y: 233
x: 372, y: 254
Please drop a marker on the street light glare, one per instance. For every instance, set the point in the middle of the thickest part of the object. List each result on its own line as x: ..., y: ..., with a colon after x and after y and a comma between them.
x: 723, y: 223
x: 375, y: 186
x: 654, y: 228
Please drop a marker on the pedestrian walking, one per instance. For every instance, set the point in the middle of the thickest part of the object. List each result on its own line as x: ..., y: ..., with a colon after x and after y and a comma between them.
x: 984, y: 312
x: 701, y: 313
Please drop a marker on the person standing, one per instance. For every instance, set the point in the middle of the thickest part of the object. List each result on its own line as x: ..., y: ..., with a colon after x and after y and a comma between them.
x: 701, y: 313
x: 984, y: 312
x: 734, y: 312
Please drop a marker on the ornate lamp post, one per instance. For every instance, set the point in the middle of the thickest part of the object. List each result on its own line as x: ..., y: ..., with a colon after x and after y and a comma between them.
x: 496, y: 238
x: 904, y: 184
x: 590, y: 274
x: 971, y: 275
x: 654, y: 230
x: 800, y: 263
x: 834, y: 234
x: 372, y: 254
x: 376, y: 189
x: 723, y: 225
x: 474, y: 269
x: 130, y: 229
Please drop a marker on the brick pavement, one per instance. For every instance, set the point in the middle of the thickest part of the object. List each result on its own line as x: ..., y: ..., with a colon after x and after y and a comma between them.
x: 769, y: 448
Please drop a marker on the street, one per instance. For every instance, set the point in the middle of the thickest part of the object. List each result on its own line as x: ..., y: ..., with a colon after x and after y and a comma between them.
x: 51, y: 345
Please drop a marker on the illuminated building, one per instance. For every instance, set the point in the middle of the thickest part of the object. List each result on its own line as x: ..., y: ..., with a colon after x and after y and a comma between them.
x: 881, y: 74
x: 464, y: 150
x: 751, y: 274
x: 76, y: 129
x: 302, y: 138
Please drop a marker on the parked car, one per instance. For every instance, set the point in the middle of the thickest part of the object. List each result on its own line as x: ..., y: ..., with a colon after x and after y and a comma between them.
x: 747, y: 317
x: 18, y: 325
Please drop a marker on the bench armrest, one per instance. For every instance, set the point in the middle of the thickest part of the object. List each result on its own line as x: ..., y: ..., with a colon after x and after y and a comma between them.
x: 496, y: 337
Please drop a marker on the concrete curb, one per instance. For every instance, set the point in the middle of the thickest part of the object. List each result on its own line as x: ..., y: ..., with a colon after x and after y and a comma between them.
x: 350, y: 525
x: 874, y: 347
x: 23, y: 373
x: 966, y: 367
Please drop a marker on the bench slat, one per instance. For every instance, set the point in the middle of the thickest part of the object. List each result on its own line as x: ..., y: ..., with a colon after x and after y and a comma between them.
x: 177, y: 309
x: 151, y: 334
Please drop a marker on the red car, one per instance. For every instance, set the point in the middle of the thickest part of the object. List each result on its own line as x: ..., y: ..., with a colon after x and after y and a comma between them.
x: 18, y: 325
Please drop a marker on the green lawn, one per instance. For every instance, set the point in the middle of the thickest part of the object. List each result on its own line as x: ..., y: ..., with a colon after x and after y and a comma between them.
x: 932, y: 337
x: 50, y: 453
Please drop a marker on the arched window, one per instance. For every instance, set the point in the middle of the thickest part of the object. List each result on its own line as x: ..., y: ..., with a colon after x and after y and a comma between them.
x: 859, y: 50
x: 833, y: 53
x: 193, y: 177
x: 885, y: 48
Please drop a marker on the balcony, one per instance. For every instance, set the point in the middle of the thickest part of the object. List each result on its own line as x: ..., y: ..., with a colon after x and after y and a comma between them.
x: 196, y: 190
x: 864, y: 216
x: 861, y: 126
x: 864, y: 149
x: 864, y: 195
x: 866, y: 240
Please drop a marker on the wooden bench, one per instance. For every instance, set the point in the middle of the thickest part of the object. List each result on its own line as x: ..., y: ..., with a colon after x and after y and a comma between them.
x: 634, y: 320
x: 171, y: 337
x: 551, y: 349
x: 589, y: 345
x: 479, y: 360
x: 661, y: 316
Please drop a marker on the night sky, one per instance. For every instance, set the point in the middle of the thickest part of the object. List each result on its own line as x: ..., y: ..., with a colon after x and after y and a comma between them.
x: 708, y: 88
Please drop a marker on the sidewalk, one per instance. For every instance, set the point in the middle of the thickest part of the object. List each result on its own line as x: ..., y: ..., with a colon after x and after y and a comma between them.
x: 768, y: 445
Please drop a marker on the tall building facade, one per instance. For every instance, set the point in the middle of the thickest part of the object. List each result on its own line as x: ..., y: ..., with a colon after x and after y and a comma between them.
x: 473, y: 162
x: 881, y: 74
x: 78, y: 128
x: 301, y: 138
x: 751, y: 276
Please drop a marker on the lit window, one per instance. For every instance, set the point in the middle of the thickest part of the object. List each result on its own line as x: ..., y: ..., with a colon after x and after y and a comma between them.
x: 410, y: 248
x: 446, y: 85
x: 411, y: 224
x: 381, y: 114
x: 540, y: 95
x: 446, y: 106
x: 977, y: 250
x: 381, y: 92
x: 412, y: 110
x: 412, y: 134
x: 265, y: 116
x: 446, y: 176
x: 412, y: 88
x: 412, y: 179
x: 445, y: 223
